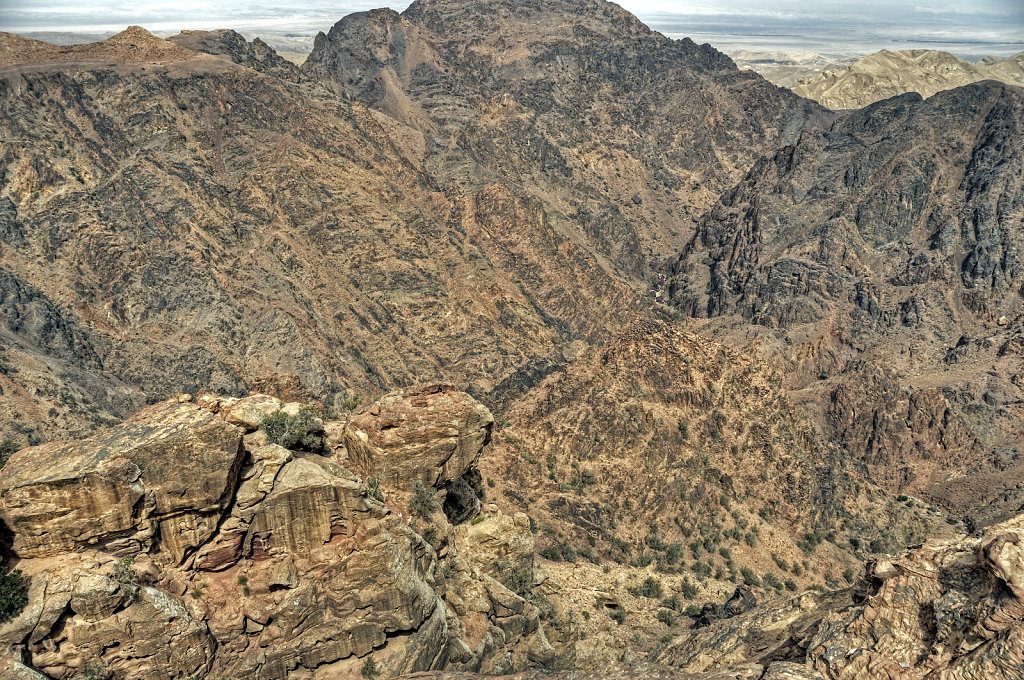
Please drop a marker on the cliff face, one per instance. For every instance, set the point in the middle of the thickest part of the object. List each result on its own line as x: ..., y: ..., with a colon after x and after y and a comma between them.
x: 881, y: 261
x: 247, y: 559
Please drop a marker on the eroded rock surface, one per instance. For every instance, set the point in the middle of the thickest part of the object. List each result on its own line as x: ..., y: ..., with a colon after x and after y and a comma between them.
x: 182, y: 542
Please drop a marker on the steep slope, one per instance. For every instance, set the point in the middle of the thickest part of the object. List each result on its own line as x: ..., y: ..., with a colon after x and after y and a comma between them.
x: 889, y: 73
x: 948, y: 609
x: 669, y: 457
x: 202, y: 205
x: 627, y: 133
x: 881, y: 263
x: 195, y: 224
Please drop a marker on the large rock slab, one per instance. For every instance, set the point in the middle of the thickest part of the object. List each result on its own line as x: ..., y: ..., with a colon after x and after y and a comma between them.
x: 430, y: 433
x: 161, y: 479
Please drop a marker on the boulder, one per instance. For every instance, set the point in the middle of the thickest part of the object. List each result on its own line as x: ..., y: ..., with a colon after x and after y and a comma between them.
x: 161, y: 479
x: 430, y: 433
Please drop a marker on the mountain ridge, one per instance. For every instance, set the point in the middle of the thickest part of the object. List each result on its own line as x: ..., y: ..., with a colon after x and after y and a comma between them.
x: 889, y: 73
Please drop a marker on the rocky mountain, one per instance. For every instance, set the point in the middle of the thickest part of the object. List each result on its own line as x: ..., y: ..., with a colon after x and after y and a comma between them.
x: 577, y: 102
x: 189, y: 541
x: 788, y: 68
x: 189, y: 202
x: 880, y: 261
x: 194, y: 198
x: 735, y: 346
x: 889, y: 73
x: 665, y: 468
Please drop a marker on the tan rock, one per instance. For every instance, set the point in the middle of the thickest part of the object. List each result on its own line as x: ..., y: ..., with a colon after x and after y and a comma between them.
x: 162, y: 477
x: 250, y: 411
x: 431, y: 433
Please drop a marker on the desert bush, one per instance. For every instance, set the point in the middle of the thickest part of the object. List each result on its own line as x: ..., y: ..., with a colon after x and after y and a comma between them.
x: 8, y: 447
x: 373, y: 487
x: 651, y: 587
x: 294, y: 432
x: 369, y: 669
x: 13, y: 594
x: 424, y: 500
x: 127, y: 577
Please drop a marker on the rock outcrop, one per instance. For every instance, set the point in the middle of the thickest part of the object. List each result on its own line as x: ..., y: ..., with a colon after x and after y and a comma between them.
x: 182, y: 542
x: 948, y: 609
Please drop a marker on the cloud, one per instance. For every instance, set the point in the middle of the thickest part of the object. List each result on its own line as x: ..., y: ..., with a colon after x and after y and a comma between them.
x: 834, y: 26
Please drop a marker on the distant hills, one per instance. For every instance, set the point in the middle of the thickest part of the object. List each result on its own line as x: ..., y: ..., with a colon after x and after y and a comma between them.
x: 888, y: 73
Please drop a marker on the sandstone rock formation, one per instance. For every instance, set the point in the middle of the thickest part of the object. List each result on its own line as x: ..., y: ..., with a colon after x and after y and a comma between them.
x: 890, y: 73
x: 183, y: 543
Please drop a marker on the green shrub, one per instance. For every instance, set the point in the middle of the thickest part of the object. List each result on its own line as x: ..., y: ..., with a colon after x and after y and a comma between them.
x: 424, y: 500
x: 790, y: 584
x: 127, y: 577
x: 672, y: 603
x: 369, y: 669
x: 618, y: 615
x: 373, y: 487
x: 689, y: 589
x: 651, y: 587
x: 8, y: 447
x: 94, y: 670
x: 13, y: 594
x: 666, y: 617
x: 749, y: 577
x: 430, y: 535
x: 552, y: 552
x: 294, y: 432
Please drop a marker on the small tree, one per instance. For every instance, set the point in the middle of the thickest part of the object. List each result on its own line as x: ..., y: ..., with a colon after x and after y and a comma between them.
x: 127, y: 577
x: 424, y: 501
x: 13, y: 594
x: 8, y: 447
x: 369, y: 670
x: 294, y: 432
x: 373, y: 488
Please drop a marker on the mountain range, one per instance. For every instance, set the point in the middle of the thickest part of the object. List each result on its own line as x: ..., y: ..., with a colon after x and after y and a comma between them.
x: 601, y: 332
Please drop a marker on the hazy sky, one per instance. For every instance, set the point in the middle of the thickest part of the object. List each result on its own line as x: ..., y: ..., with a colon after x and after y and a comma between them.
x: 966, y: 27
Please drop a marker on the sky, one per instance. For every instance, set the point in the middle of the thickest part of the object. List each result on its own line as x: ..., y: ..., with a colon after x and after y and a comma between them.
x: 969, y: 28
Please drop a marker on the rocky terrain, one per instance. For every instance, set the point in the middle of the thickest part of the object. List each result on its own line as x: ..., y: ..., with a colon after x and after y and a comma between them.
x: 889, y: 73
x: 880, y: 262
x: 949, y: 609
x: 346, y: 228
x: 502, y: 338
x: 184, y: 542
x: 788, y: 68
